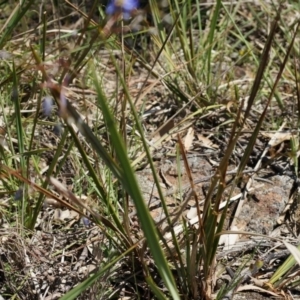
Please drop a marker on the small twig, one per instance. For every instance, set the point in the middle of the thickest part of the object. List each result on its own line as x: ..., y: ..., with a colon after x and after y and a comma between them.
x: 204, y: 179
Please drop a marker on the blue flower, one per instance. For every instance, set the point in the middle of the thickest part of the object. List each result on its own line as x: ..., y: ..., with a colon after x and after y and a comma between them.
x: 57, y: 129
x: 122, y: 6
x: 86, y: 222
x: 19, y: 194
x: 47, y: 106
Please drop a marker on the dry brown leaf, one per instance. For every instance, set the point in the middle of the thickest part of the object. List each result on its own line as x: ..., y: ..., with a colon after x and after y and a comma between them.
x: 188, y: 140
x: 229, y: 240
x: 67, y: 214
x: 192, y: 213
x: 250, y: 287
x: 166, y: 127
x: 229, y: 105
x: 278, y: 137
x: 206, y: 142
x: 51, y: 201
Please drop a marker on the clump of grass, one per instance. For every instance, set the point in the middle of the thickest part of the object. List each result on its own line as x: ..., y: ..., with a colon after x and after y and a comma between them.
x: 105, y: 140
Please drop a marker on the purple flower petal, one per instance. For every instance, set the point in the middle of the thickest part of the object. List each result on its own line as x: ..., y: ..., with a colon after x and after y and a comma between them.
x: 57, y: 129
x: 86, y: 222
x: 18, y: 194
x: 122, y: 6
x: 47, y: 105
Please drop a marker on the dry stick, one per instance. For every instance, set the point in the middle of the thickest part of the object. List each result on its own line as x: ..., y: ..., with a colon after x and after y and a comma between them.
x: 31, y: 274
x: 187, y: 187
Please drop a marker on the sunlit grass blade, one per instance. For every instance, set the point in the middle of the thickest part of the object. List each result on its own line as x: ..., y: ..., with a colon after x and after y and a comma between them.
x: 283, y: 269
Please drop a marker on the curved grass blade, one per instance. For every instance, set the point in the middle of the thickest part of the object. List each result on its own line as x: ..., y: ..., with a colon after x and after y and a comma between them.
x: 129, y: 182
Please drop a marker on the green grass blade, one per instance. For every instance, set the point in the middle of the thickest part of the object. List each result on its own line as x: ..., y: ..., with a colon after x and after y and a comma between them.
x: 285, y: 267
x: 210, y: 39
x: 80, y: 288
x: 14, y: 20
x: 130, y: 184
